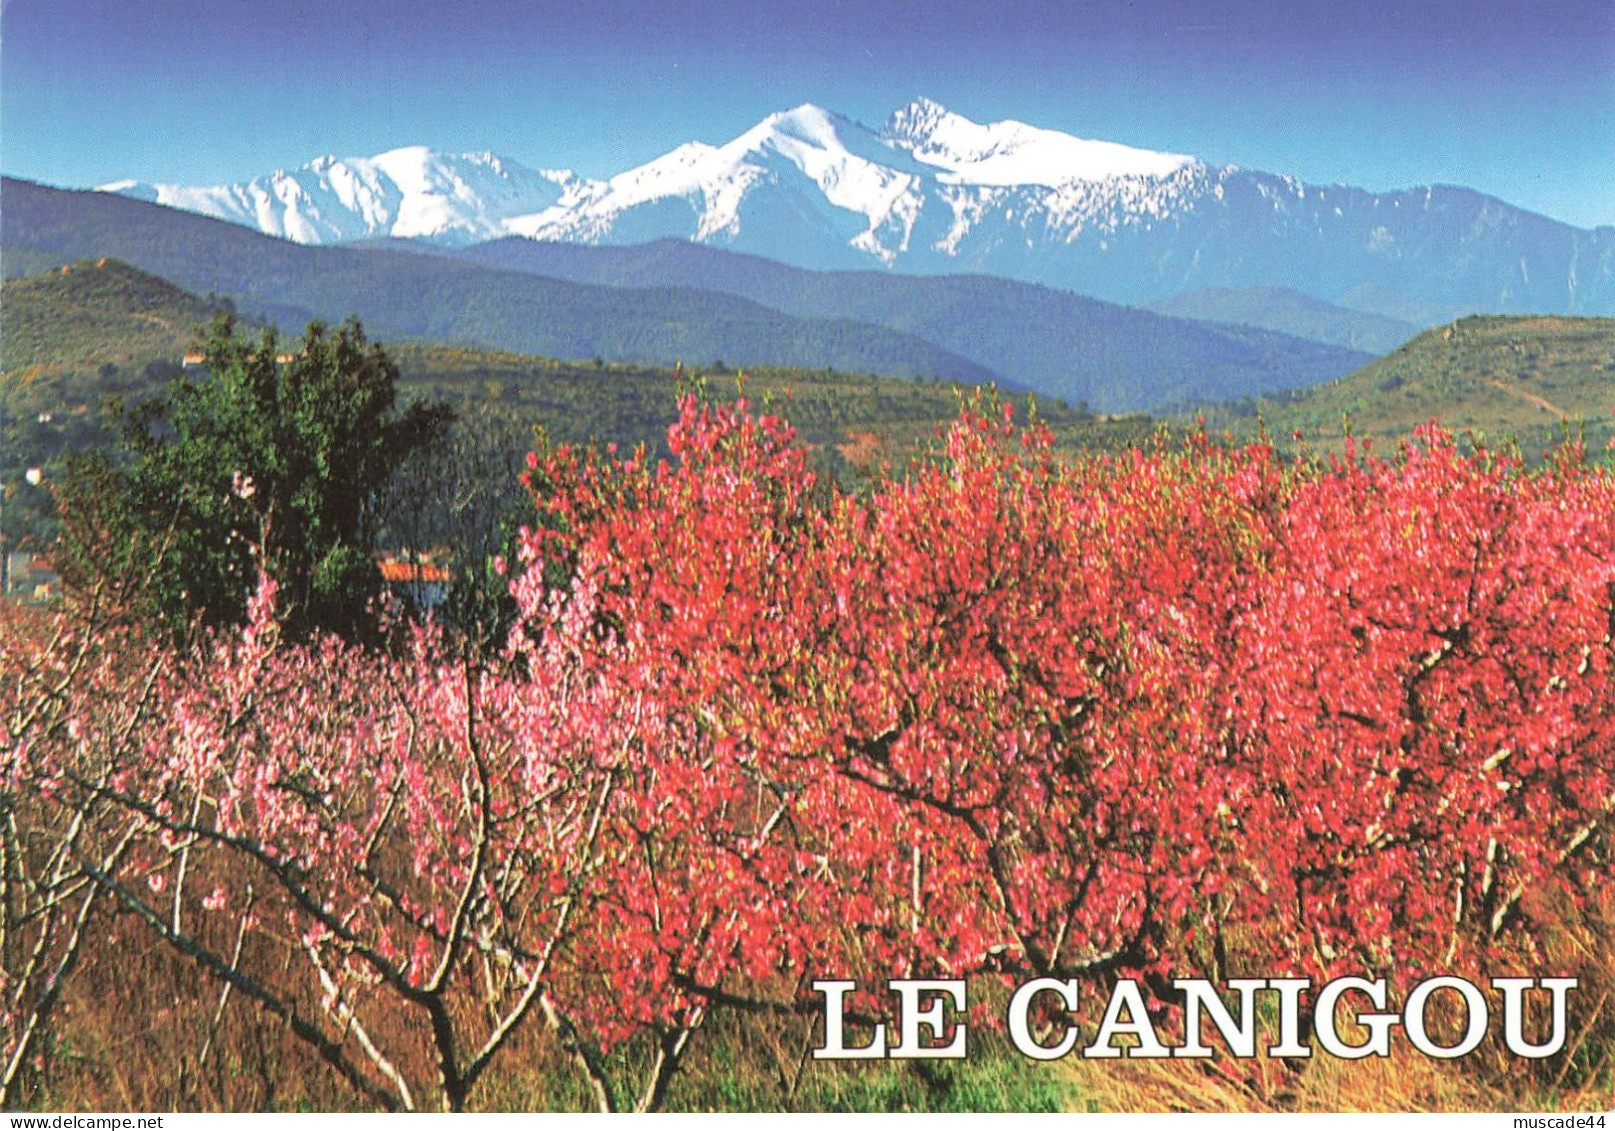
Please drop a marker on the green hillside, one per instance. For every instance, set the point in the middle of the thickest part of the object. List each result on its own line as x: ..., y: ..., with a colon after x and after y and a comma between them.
x: 75, y: 334
x: 853, y: 421
x: 72, y: 339
x: 86, y: 314
x: 1523, y: 378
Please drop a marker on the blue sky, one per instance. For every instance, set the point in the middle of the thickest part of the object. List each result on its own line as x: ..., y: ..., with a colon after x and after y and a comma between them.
x: 1515, y: 99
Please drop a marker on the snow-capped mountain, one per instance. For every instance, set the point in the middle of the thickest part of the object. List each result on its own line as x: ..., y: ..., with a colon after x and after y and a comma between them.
x: 805, y: 171
x: 412, y: 192
x: 933, y: 192
x: 810, y: 175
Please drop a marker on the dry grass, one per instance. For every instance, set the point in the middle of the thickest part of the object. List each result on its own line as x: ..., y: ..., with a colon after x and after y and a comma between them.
x: 138, y: 1016
x: 1578, y: 943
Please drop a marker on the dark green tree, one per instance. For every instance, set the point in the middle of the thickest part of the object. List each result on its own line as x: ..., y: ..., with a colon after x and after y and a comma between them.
x: 271, y: 461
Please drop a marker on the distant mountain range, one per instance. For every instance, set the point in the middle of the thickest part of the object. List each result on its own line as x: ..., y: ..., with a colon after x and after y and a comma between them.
x: 573, y: 301
x: 932, y: 192
x: 406, y: 297
x: 405, y: 192
x: 1053, y: 341
x: 1290, y: 312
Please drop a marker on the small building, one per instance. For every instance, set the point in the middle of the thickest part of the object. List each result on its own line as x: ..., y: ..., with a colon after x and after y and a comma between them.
x: 28, y: 577
x: 420, y: 584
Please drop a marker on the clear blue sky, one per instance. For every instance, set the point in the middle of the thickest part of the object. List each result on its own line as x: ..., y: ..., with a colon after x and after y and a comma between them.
x: 1515, y: 99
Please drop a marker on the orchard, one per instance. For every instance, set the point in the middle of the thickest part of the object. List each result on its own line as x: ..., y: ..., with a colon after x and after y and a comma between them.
x: 1198, y: 712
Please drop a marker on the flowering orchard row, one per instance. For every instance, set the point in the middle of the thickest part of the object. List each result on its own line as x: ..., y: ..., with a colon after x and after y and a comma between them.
x: 1168, y: 714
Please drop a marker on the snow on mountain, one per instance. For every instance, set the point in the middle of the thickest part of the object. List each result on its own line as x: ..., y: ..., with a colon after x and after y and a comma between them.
x: 820, y: 190
x: 866, y: 189
x: 408, y: 192
x: 821, y: 157
x: 1014, y: 153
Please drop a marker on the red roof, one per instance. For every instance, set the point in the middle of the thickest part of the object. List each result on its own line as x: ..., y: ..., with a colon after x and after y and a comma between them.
x: 409, y: 571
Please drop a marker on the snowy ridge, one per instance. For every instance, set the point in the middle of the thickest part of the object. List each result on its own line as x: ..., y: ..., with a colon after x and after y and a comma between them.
x: 409, y: 192
x: 870, y: 189
x: 867, y: 191
x: 1014, y: 153
x: 843, y: 164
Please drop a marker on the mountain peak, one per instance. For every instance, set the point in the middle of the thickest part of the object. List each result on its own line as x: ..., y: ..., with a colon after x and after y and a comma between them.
x: 807, y: 122
x: 915, y: 120
x: 807, y: 112
x: 415, y: 153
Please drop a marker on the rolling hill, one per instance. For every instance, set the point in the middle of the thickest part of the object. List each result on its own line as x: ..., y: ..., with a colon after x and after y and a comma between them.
x: 96, y: 312
x: 1526, y: 378
x: 71, y: 338
x: 66, y: 325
